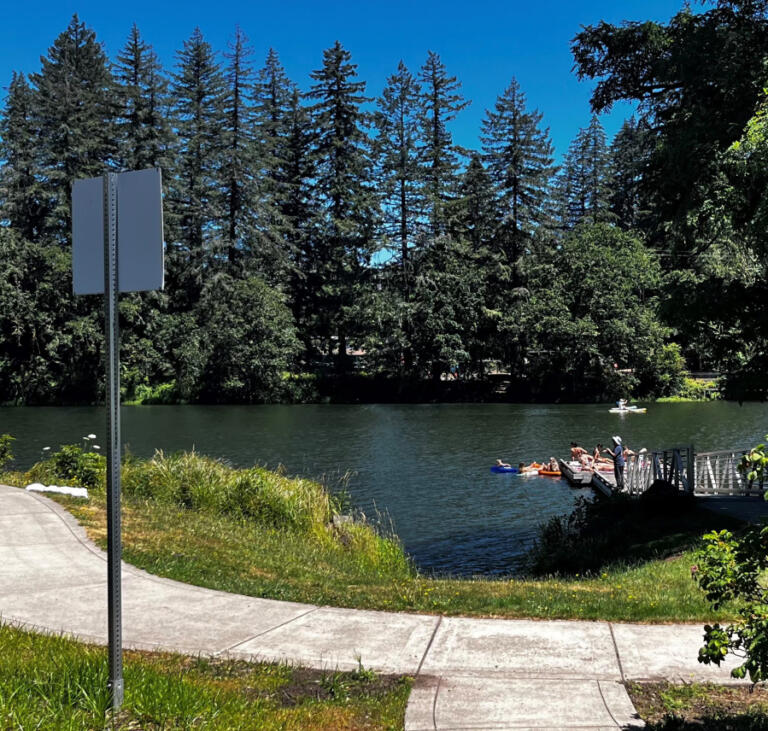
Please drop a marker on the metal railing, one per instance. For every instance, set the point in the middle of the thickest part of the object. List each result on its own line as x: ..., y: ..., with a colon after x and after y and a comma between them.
x: 717, y: 473
x: 676, y: 465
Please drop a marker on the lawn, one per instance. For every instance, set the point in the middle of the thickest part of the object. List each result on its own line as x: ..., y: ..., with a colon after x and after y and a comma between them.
x: 52, y: 683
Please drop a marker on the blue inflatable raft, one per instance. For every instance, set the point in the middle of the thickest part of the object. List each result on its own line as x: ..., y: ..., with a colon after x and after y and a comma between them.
x: 503, y: 470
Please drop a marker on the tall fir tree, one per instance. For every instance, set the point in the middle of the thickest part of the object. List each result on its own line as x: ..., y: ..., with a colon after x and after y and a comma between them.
x: 143, y: 125
x: 22, y: 194
x: 398, y: 168
x: 629, y: 153
x: 75, y: 113
x: 238, y: 167
x: 519, y: 156
x: 478, y: 215
x: 441, y: 102
x: 198, y: 93
x: 344, y: 243
x: 280, y: 134
x: 584, y: 184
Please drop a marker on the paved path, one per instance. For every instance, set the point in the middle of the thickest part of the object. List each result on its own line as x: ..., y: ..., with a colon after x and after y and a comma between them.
x: 470, y: 673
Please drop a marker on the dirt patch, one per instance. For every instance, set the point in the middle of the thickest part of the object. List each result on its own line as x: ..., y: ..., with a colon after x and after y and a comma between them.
x: 671, y: 707
x: 284, y: 685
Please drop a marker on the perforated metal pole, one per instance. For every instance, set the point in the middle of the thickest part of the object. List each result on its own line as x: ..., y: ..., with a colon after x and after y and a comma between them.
x: 112, y: 351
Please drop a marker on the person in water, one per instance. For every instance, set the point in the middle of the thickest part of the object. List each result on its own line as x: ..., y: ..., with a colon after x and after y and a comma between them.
x: 617, y: 455
x: 499, y: 463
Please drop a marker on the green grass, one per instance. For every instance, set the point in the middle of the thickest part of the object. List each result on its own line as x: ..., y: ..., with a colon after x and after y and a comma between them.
x: 238, y: 556
x: 53, y: 683
x: 261, y: 533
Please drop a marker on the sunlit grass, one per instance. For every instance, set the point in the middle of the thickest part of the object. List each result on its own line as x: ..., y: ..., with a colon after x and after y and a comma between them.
x: 241, y: 557
x: 54, y: 683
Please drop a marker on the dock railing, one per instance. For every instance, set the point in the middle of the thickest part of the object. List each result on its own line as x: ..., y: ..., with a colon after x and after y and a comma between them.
x: 717, y: 473
x: 676, y: 465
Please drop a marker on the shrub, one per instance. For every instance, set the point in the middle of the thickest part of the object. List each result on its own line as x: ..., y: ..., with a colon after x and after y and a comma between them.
x: 730, y: 568
x: 71, y: 464
x: 6, y: 455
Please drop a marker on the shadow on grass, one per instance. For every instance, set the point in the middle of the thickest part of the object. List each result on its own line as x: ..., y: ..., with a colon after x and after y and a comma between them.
x: 622, y: 531
x: 713, y: 723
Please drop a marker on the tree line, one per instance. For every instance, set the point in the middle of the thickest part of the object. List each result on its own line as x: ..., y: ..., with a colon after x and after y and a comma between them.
x: 325, y: 239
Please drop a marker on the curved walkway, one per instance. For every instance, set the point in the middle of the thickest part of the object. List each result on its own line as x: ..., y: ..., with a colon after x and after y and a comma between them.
x: 470, y: 673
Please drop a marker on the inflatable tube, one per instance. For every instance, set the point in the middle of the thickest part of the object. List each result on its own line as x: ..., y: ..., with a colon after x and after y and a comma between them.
x: 549, y: 473
x: 503, y: 470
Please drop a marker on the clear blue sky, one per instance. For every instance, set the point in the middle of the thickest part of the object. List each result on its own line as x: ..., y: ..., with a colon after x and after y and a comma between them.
x: 484, y: 43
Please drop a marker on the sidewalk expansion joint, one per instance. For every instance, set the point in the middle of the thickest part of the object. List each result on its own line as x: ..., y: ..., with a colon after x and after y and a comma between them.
x: 616, y: 650
x: 233, y: 648
x: 429, y: 644
x: 434, y: 703
x: 605, y: 703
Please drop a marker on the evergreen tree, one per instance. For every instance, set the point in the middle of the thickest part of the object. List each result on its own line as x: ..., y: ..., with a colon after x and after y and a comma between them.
x: 299, y: 210
x: 196, y: 190
x: 440, y: 103
x: 583, y: 183
x: 344, y: 241
x: 75, y: 114
x: 629, y: 153
x: 399, y: 172
x: 518, y: 154
x: 22, y: 194
x: 238, y: 171
x: 280, y: 124
x: 478, y: 212
x: 143, y: 126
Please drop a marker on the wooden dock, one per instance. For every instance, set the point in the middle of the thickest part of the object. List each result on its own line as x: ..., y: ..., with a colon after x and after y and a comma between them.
x: 602, y: 482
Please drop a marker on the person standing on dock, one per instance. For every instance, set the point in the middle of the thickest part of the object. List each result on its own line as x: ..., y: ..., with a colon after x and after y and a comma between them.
x: 617, y: 455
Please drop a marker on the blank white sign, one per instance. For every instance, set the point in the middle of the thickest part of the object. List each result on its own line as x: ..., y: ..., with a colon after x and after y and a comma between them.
x: 139, y: 233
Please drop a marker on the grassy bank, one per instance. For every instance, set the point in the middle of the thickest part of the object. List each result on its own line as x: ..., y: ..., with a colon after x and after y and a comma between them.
x: 53, y: 683
x: 259, y: 533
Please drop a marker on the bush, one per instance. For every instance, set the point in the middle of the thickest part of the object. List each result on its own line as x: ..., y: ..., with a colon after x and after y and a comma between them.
x: 730, y: 568
x: 6, y: 455
x: 71, y: 464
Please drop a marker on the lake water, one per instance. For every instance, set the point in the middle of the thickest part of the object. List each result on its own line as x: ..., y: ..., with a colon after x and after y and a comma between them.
x: 425, y: 466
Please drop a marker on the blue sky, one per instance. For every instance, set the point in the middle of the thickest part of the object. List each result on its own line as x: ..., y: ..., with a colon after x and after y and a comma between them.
x: 484, y: 43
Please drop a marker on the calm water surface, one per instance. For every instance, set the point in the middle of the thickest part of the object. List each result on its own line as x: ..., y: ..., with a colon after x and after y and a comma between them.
x: 426, y: 466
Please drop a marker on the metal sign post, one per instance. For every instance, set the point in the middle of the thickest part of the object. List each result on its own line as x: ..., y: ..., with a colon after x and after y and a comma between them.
x: 117, y: 246
x: 112, y: 352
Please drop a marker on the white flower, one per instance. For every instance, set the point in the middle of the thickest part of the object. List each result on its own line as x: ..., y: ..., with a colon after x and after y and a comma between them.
x: 45, y: 449
x: 96, y: 446
x: 91, y: 436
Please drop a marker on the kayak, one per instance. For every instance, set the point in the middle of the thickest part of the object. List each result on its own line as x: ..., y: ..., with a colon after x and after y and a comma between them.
x: 503, y: 470
x: 627, y: 410
x: 549, y: 473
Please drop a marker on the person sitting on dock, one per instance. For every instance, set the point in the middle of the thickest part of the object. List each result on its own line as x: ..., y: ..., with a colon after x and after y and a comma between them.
x: 576, y: 452
x: 597, y: 459
x: 617, y: 455
x: 499, y: 463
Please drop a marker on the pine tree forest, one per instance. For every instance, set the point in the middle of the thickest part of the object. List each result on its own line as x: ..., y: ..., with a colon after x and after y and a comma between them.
x: 322, y: 243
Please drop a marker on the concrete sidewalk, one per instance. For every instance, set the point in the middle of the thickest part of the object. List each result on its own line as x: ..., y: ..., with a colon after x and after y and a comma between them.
x: 470, y: 673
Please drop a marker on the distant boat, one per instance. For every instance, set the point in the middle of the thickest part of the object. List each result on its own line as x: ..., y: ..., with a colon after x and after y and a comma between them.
x: 622, y: 408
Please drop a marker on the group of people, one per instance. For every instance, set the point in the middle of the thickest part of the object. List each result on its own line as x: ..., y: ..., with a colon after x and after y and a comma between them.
x: 617, y: 456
